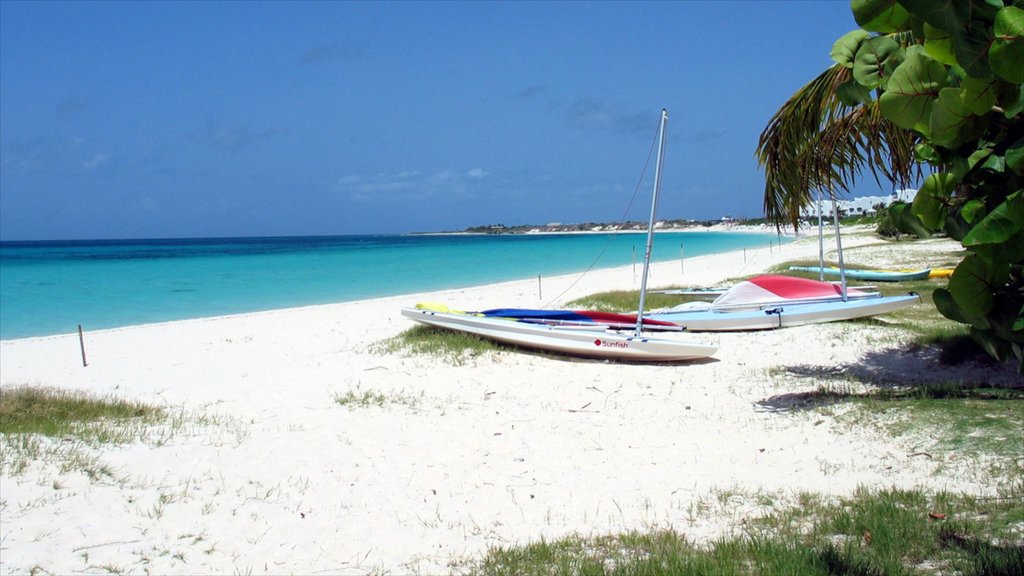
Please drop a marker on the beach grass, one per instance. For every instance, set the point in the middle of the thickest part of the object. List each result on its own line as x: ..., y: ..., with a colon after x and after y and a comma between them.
x: 67, y: 427
x: 38, y: 423
x: 948, y: 418
x: 872, y: 532
x: 58, y: 413
x: 451, y: 346
x: 359, y: 398
x: 623, y: 301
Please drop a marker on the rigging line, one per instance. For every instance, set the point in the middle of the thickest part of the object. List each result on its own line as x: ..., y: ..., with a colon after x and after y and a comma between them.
x: 615, y: 232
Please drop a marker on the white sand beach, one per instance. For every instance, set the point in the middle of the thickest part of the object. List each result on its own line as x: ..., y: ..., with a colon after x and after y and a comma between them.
x: 268, y: 474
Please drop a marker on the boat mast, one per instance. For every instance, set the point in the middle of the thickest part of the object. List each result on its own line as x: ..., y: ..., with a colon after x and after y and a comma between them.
x: 650, y: 223
x: 821, y: 243
x: 839, y: 247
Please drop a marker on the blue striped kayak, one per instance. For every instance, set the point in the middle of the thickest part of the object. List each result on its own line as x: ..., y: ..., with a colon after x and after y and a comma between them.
x: 872, y: 275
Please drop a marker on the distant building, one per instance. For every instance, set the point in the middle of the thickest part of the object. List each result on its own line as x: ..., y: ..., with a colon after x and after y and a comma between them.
x: 863, y: 206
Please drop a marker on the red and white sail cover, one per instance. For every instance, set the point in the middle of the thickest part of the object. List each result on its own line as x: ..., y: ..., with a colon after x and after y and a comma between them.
x: 770, y: 288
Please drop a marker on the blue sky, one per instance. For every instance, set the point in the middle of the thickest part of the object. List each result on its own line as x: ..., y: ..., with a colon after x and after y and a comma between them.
x: 190, y: 119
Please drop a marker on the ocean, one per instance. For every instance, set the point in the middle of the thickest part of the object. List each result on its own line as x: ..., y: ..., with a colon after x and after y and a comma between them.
x: 51, y: 287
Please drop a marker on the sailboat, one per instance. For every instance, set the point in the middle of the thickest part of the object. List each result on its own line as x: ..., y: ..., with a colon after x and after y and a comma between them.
x: 773, y: 301
x: 768, y: 302
x: 586, y: 334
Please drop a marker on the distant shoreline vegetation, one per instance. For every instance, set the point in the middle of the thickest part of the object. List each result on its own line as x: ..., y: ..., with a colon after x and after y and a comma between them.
x: 629, y: 226
x: 725, y: 223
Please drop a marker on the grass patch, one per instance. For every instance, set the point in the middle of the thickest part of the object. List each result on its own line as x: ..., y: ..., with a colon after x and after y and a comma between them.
x: 370, y: 398
x: 968, y: 421
x: 49, y: 425
x: 452, y: 346
x: 624, y: 301
x: 59, y: 413
x: 881, y: 533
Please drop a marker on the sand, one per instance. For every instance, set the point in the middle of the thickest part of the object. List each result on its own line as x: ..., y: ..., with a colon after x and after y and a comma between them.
x: 265, y: 471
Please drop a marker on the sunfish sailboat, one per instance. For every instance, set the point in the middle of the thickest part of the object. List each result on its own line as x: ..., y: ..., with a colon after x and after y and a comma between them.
x: 583, y: 334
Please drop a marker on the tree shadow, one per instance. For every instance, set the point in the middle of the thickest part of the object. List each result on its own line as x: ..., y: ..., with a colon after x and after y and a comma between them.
x: 987, y: 558
x: 911, y: 370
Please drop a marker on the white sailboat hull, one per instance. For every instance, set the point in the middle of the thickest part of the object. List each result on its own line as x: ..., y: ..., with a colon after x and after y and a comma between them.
x: 591, y: 341
x: 782, y: 315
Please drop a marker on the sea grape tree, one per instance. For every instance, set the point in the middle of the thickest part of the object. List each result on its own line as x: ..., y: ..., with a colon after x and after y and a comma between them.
x: 952, y: 73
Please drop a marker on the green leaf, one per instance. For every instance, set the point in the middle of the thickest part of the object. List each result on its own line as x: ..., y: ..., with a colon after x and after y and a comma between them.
x: 851, y: 93
x: 948, y: 16
x: 973, y: 211
x: 911, y: 92
x: 1006, y: 54
x: 1009, y: 252
x: 948, y: 307
x: 845, y: 49
x: 1015, y: 157
x: 979, y: 95
x: 906, y: 221
x: 1015, y: 207
x: 938, y: 44
x: 875, y: 61
x: 925, y: 152
x: 972, y: 285
x: 930, y: 203
x: 882, y: 16
x: 950, y: 119
x: 983, y: 156
x: 1011, y: 98
x: 971, y: 48
x: 995, y: 163
x: 996, y: 227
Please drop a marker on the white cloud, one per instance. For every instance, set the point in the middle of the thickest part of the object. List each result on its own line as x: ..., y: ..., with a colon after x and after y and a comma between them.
x: 95, y: 161
x: 442, y: 176
x: 407, y: 185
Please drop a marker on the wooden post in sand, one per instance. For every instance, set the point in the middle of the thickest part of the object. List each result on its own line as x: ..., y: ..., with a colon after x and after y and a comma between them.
x: 81, y: 343
x: 540, y: 292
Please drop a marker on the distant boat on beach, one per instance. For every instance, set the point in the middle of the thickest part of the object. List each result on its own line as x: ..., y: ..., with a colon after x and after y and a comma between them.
x: 869, y: 275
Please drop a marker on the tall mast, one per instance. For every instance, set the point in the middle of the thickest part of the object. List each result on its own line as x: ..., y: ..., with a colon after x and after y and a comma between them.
x: 650, y: 223
x: 821, y: 243
x: 839, y: 247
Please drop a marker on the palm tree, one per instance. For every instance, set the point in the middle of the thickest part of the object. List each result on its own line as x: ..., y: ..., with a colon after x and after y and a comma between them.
x: 817, y: 142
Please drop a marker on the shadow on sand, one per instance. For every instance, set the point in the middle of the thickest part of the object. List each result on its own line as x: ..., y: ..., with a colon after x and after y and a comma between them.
x: 928, y: 370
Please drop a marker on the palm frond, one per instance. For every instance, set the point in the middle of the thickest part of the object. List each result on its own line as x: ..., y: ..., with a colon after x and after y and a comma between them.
x: 816, y: 143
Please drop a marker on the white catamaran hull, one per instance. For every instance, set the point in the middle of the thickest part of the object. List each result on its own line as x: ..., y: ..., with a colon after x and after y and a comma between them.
x: 784, y: 315
x: 592, y: 342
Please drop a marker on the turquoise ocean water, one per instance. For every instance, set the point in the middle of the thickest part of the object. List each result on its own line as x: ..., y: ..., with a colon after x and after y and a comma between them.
x: 51, y: 287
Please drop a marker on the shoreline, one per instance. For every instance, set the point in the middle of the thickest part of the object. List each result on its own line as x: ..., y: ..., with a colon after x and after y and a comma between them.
x: 151, y: 306
x: 557, y: 279
x: 304, y: 446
